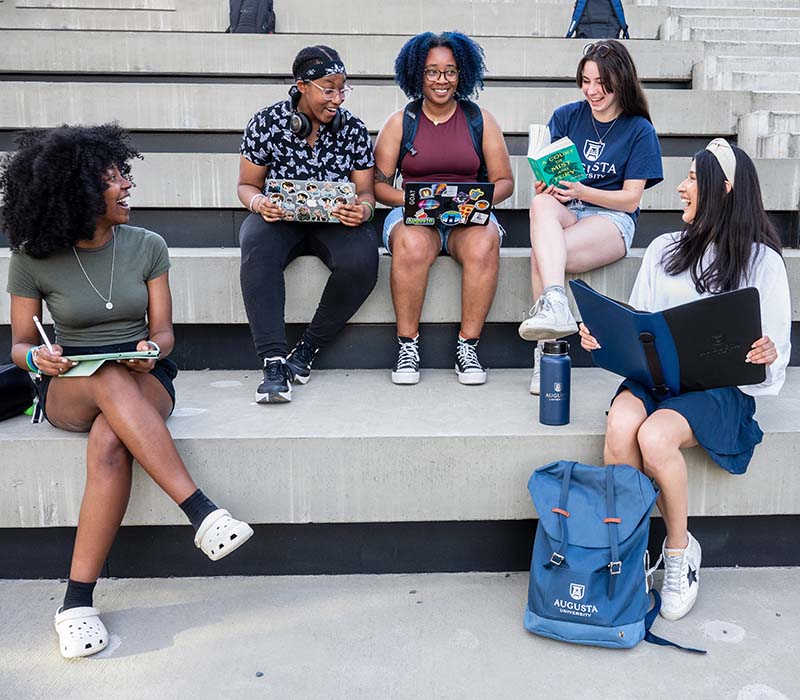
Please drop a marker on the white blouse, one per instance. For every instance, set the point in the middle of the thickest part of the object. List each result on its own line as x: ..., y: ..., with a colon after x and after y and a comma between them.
x: 655, y: 290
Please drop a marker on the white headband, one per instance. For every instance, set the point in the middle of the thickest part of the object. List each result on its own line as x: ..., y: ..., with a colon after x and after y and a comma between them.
x: 722, y: 151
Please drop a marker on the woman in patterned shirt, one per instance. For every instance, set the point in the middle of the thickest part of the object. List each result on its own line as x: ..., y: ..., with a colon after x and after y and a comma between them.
x: 309, y: 136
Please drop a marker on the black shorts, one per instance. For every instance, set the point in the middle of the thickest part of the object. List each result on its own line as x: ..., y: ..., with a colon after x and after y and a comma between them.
x: 165, y: 370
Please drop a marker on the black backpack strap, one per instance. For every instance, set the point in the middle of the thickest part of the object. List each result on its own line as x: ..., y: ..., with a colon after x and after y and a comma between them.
x: 650, y: 618
x: 410, y: 125
x: 475, y: 123
x: 648, y: 341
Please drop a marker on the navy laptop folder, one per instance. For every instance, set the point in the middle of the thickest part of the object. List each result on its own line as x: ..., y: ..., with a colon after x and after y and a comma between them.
x: 691, y: 347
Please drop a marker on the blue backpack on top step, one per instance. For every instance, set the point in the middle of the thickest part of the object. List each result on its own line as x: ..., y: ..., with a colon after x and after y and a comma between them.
x: 589, y: 571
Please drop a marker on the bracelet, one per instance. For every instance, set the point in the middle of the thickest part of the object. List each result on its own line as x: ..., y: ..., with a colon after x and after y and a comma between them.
x: 371, y: 210
x: 155, y: 346
x: 30, y: 361
x: 257, y: 194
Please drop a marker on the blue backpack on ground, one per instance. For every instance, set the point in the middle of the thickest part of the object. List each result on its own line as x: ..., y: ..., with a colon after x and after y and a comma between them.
x: 589, y: 571
x: 474, y: 122
x: 598, y: 19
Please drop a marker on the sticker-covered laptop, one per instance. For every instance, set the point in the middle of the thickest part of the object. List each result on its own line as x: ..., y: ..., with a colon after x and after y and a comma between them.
x: 451, y: 204
x: 310, y: 200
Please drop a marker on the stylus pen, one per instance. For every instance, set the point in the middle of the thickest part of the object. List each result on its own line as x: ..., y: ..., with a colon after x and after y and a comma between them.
x: 43, y: 334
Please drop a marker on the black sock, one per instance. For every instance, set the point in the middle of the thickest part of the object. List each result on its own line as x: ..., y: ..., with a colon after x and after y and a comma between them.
x: 197, y: 507
x: 78, y: 595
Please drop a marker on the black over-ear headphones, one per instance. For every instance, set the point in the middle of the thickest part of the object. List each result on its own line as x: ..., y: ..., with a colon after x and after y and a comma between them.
x: 301, y: 125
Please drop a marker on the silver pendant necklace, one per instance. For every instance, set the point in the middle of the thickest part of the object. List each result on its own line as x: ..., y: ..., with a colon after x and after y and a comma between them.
x: 109, y: 305
x: 597, y: 133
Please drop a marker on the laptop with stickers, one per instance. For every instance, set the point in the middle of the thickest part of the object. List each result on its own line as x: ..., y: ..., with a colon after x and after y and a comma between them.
x: 450, y: 204
x: 309, y: 200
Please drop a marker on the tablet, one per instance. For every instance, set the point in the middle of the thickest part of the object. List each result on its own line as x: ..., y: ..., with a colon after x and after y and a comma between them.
x: 89, y: 364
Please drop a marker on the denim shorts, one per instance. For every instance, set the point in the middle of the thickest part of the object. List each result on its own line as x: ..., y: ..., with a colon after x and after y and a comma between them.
x: 624, y: 223
x: 395, y: 217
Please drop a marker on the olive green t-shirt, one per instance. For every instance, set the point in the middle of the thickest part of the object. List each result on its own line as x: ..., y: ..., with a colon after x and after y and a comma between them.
x: 80, y: 316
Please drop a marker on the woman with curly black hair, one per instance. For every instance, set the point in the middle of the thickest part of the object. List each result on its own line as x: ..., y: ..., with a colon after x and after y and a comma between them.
x: 65, y: 205
x: 455, y: 141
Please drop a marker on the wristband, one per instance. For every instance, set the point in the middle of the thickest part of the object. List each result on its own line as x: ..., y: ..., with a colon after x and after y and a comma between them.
x: 155, y: 346
x: 257, y: 194
x: 371, y: 210
x: 29, y: 361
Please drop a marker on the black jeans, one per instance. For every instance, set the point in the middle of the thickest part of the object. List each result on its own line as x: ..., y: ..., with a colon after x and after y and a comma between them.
x: 351, y: 254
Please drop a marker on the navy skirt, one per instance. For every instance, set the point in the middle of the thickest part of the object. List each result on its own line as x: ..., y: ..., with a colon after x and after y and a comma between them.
x: 164, y: 371
x: 721, y: 420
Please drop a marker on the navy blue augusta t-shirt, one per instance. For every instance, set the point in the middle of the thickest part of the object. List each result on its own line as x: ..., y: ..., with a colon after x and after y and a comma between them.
x: 628, y: 150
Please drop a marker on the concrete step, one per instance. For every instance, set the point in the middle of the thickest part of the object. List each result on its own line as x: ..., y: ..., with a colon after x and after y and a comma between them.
x: 788, y: 81
x: 758, y: 125
x: 99, y: 4
x: 766, y: 36
x: 755, y: 48
x: 228, y: 107
x: 372, y: 55
x: 404, y: 637
x: 487, y: 18
x: 354, y: 448
x: 207, y: 181
x: 205, y: 287
x: 715, y: 5
x: 750, y: 22
x: 764, y: 64
x: 185, y: 16
x: 787, y: 143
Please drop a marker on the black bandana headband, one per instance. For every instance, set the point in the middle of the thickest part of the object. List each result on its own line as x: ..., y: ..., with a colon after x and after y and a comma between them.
x: 320, y: 70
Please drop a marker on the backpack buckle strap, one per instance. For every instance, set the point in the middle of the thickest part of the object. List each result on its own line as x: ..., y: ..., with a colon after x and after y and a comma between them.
x: 615, y: 567
x: 560, y: 511
x: 557, y: 559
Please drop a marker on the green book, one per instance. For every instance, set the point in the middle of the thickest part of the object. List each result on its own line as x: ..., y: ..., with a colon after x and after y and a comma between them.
x: 89, y: 364
x: 552, y: 162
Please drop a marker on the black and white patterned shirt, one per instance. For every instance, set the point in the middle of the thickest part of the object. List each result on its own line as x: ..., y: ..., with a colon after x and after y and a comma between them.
x: 268, y: 141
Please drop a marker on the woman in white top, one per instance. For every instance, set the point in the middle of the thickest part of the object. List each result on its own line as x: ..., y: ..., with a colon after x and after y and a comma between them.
x: 727, y: 243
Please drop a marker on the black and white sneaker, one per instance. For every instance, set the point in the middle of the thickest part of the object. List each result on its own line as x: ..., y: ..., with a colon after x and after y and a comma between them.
x: 300, y: 359
x: 276, y: 387
x: 406, y: 371
x: 468, y: 366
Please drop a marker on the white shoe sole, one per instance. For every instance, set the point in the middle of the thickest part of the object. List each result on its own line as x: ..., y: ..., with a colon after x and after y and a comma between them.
x: 277, y: 397
x: 405, y: 377
x: 678, y: 614
x: 302, y: 380
x: 530, y: 332
x: 534, y: 388
x: 471, y: 378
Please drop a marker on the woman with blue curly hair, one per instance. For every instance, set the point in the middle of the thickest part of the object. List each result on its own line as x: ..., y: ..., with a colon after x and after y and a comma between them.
x: 440, y: 73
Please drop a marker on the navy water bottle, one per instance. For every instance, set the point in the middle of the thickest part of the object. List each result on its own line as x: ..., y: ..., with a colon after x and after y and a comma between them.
x: 554, y: 387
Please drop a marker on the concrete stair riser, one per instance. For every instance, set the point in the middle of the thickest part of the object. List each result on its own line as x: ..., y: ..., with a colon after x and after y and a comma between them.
x: 205, y: 287
x: 208, y: 181
x: 346, y: 457
x: 147, y: 53
x: 228, y: 107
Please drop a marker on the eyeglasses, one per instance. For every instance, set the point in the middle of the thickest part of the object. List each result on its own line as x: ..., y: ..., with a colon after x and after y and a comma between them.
x: 599, y: 48
x: 330, y: 93
x: 433, y: 74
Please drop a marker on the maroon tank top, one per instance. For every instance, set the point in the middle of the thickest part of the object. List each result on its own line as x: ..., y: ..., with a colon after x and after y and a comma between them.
x: 445, y: 153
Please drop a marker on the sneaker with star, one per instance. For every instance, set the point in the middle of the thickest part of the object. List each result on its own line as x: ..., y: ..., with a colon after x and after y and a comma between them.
x: 681, y: 579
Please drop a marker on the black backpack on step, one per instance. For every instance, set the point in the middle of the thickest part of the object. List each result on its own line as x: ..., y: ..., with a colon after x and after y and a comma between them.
x: 598, y: 19
x: 16, y: 391
x: 251, y: 17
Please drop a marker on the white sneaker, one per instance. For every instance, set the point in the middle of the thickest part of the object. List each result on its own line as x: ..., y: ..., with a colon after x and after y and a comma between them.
x: 550, y: 317
x: 536, y: 379
x: 681, y: 579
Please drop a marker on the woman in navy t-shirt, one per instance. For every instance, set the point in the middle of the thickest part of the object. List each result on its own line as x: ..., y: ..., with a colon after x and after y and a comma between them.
x: 579, y: 226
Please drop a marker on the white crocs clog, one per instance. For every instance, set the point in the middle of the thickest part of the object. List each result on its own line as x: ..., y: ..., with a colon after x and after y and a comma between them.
x: 81, y: 632
x: 220, y: 534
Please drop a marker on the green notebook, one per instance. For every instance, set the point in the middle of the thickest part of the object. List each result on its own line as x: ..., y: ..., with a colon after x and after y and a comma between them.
x: 89, y: 364
x: 553, y: 162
